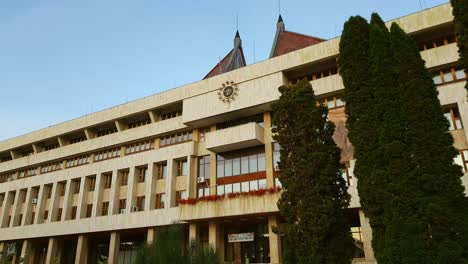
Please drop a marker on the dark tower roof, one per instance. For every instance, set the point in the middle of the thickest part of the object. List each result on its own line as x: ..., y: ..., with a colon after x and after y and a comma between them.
x: 233, y: 60
x: 288, y: 41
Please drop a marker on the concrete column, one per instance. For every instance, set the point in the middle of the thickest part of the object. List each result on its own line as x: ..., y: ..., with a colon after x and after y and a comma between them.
x: 31, y: 193
x: 151, y: 235
x: 27, y: 253
x: 63, y: 141
x: 37, y: 148
x: 170, y: 183
x: 16, y: 208
x: 67, y: 200
x: 216, y: 238
x: 5, y: 213
x: 192, y: 177
x: 90, y: 134
x: 275, y: 240
x: 53, y: 203
x: 14, y: 154
x: 213, y: 160
x: 150, y: 184
x: 121, y: 126
x: 97, y: 197
x: 114, y: 247
x: 132, y: 182
x: 82, y: 198
x: 52, y: 251
x: 114, y: 192
x: 39, y: 216
x: 154, y: 116
x: 268, y: 150
x: 366, y: 236
x: 193, y: 232
x: 82, y: 250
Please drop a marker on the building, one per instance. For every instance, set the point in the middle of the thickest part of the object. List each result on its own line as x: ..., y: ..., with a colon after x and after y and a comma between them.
x: 201, y: 154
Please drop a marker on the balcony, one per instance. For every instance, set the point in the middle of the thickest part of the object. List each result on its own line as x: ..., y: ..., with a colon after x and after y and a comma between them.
x: 327, y: 84
x: 440, y: 55
x: 240, y: 205
x: 238, y: 137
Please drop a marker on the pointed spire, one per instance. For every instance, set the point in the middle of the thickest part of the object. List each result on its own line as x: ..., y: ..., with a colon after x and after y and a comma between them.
x: 280, y: 18
x: 280, y: 25
x: 237, y: 40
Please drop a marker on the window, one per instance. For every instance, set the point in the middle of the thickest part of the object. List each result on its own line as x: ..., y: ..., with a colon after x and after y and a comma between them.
x: 122, y: 205
x: 89, y: 210
x: 276, y: 156
x: 139, y: 123
x: 105, y: 208
x: 332, y: 102
x: 73, y: 212
x: 106, y: 132
x: 27, y: 153
x: 239, y: 164
x: 180, y: 195
x: 76, y: 190
x: 182, y: 168
x: 27, y: 173
x: 77, y: 161
x: 124, y: 178
x: 317, y: 75
x: 202, y: 133
x: 77, y: 139
x: 238, y: 187
x: 54, y: 166
x: 462, y: 160
x: 160, y: 200
x: 7, y: 176
x: 51, y: 146
x: 347, y: 174
x: 142, y: 174
x: 449, y: 75
x: 4, y: 159
x: 63, y: 187
x: 59, y: 214
x: 139, y: 147
x: 161, y: 171
x: 49, y: 192
x: 107, y: 178
x: 140, y: 203
x: 437, y: 42
x: 107, y: 154
x: 171, y: 115
x: 453, y: 117
x: 92, y: 183
x: 176, y: 138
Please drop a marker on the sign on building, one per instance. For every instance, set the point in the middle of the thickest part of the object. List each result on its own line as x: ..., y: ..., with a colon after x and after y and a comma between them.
x: 242, y: 237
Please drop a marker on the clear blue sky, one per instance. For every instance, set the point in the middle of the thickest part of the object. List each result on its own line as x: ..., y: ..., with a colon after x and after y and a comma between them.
x: 61, y: 59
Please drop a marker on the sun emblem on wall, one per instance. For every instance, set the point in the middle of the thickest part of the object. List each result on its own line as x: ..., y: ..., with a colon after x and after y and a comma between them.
x: 228, y: 91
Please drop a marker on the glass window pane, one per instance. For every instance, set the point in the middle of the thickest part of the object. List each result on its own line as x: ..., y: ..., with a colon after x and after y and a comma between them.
x: 448, y: 77
x: 220, y: 169
x: 201, y: 172
x: 228, y: 168
x: 207, y: 191
x: 330, y: 103
x: 164, y: 171
x: 254, y: 185
x: 262, y: 184
x: 339, y: 102
x: 207, y: 171
x: 253, y: 163
x: 261, y: 162
x: 460, y: 74
x: 449, y: 118
x: 184, y: 168
x: 437, y: 79
x: 245, y: 186
x: 200, y: 192
x: 458, y: 124
x: 220, y: 190
x: 236, y: 187
x: 244, y: 165
x: 228, y: 188
x: 236, y: 166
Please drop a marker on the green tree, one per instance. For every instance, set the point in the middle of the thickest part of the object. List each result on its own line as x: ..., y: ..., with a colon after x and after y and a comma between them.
x: 434, y: 225
x: 460, y: 22
x: 169, y: 248
x: 315, y: 197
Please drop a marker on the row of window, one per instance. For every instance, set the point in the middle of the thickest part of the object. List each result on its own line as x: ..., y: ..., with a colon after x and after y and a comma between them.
x: 171, y: 115
x: 176, y: 138
x: 453, y: 117
x: 239, y: 164
x: 27, y: 172
x: 78, y: 139
x: 139, y: 123
x: 238, y: 187
x: 106, y: 132
x: 317, y: 75
x: 51, y: 146
x: 139, y: 146
x: 332, y: 102
x: 51, y: 167
x: 449, y: 75
x: 77, y: 161
x: 107, y: 154
x: 437, y: 42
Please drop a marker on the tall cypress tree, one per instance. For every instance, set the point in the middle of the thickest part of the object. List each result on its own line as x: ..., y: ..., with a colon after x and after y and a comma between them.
x: 460, y: 22
x: 315, y: 197
x: 436, y: 228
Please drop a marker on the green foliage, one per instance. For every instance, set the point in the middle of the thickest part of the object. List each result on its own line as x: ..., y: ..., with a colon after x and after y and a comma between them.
x: 315, y: 194
x: 408, y: 185
x: 460, y: 22
x: 169, y: 248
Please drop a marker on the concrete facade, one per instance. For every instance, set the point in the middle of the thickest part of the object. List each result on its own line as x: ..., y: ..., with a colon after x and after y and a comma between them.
x: 95, y: 195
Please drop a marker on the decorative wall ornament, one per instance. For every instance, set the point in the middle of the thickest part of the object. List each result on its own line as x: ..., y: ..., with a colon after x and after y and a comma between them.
x: 228, y: 91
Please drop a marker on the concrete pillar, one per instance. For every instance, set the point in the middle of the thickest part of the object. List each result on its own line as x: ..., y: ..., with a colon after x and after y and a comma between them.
x: 170, y: 184
x: 192, y: 179
x: 114, y: 192
x: 5, y: 213
x: 275, y: 240
x: 27, y: 253
x: 150, y: 185
x: 32, y: 192
x: 14, y: 154
x: 37, y: 148
x: 63, y: 141
x: 114, y: 247
x: 97, y: 197
x: 216, y: 238
x: 16, y: 208
x: 268, y: 150
x: 67, y: 199
x: 121, y: 126
x: 90, y: 134
x: 132, y: 182
x: 82, y: 198
x: 213, y: 160
x: 151, y: 235
x: 154, y: 116
x: 366, y: 236
x: 193, y: 232
x: 52, y: 251
x: 39, y: 216
x: 82, y: 250
x: 54, y: 203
